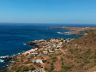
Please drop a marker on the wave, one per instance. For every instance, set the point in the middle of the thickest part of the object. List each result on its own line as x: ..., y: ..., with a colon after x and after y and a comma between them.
x: 24, y: 44
x: 1, y: 60
x: 60, y: 33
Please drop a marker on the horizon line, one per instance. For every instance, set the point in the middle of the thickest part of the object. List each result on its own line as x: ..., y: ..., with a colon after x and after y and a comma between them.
x: 41, y: 23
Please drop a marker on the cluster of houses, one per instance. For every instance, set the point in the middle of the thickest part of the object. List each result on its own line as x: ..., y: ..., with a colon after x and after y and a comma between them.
x: 45, y: 48
x: 40, y: 54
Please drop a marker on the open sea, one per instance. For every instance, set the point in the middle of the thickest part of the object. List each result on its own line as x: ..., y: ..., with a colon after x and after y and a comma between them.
x: 13, y: 37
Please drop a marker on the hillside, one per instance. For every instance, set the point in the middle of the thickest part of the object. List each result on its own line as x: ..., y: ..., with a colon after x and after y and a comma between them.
x: 81, y: 53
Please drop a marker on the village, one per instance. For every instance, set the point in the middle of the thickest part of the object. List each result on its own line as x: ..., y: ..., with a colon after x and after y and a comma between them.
x: 41, y: 53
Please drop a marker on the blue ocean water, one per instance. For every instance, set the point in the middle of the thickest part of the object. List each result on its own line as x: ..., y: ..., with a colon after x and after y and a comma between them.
x: 14, y: 36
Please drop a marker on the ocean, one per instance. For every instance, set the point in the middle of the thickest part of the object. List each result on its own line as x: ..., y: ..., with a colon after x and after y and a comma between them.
x: 13, y: 37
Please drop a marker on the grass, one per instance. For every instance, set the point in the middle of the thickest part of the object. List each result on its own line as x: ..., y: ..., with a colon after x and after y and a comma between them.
x: 53, y: 60
x: 65, y: 67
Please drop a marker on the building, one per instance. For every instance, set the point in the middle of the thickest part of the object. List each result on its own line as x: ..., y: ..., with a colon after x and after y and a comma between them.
x: 37, y: 61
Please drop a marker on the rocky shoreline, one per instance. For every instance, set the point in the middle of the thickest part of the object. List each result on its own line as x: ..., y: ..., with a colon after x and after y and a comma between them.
x: 76, y: 30
x: 6, y: 58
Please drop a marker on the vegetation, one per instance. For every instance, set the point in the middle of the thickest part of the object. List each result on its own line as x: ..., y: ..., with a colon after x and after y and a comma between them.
x: 21, y: 68
x: 65, y: 67
x: 81, y: 54
x: 52, y: 61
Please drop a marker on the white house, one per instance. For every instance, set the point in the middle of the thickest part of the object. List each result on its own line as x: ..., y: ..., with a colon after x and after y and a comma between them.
x: 37, y: 61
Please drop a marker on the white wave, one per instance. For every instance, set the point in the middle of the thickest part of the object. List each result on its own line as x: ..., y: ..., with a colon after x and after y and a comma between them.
x: 1, y: 61
x: 24, y: 44
x: 4, y: 56
x: 60, y: 33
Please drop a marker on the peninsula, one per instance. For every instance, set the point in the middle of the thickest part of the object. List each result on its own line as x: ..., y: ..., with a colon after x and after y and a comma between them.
x: 76, y: 30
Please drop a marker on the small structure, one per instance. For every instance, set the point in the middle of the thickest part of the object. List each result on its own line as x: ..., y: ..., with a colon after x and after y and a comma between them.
x: 34, y: 53
x: 37, y: 61
x: 45, y: 52
x: 50, y: 51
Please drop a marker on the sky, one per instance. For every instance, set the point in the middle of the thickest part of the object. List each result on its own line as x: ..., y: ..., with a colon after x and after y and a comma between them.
x: 48, y: 11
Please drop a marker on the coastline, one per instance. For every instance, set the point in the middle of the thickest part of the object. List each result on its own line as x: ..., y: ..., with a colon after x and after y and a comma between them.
x: 71, y: 31
x: 52, y: 52
x: 42, y: 46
